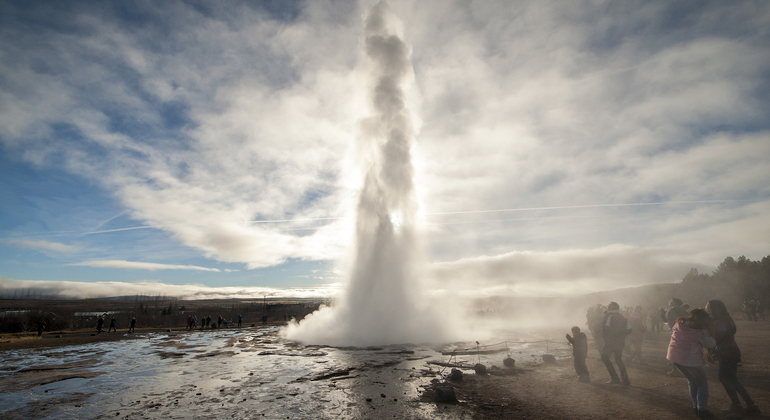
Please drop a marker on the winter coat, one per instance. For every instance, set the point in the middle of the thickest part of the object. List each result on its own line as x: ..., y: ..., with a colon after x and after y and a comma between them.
x: 637, y: 327
x: 686, y: 345
x: 724, y: 334
x: 673, y: 314
x: 579, y: 344
x: 615, y: 328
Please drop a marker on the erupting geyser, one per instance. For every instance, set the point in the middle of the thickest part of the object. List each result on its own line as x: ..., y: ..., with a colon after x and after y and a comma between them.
x: 381, y: 304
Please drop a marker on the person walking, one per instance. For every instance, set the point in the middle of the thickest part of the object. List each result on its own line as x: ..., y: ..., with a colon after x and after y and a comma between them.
x: 615, y: 328
x: 579, y: 343
x: 112, y: 325
x: 728, y: 355
x: 685, y: 350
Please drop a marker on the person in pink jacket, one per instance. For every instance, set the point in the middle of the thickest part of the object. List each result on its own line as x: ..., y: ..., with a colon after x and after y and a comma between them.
x: 689, y: 335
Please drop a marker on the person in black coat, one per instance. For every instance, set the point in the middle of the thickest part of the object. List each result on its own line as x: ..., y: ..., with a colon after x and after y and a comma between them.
x: 728, y: 355
x: 579, y: 343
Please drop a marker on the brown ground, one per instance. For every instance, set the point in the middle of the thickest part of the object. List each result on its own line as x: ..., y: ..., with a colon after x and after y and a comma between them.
x: 549, y: 391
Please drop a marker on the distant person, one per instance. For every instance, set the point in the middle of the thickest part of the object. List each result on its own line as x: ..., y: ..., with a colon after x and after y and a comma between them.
x: 747, y: 309
x: 753, y: 310
x: 656, y: 324
x: 132, y: 328
x: 594, y: 322
x: 728, y: 355
x: 189, y: 322
x: 194, y: 322
x: 636, y: 338
x: 240, y: 320
x: 579, y: 343
x: 219, y: 322
x: 264, y: 319
x: 99, y: 324
x: 685, y: 350
x: 675, y: 311
x: 615, y: 328
x: 40, y: 327
x: 112, y: 325
x: 761, y: 310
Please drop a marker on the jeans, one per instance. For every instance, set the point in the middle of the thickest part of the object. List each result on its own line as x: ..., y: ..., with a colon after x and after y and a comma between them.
x: 728, y: 376
x: 698, y: 384
x: 617, y: 352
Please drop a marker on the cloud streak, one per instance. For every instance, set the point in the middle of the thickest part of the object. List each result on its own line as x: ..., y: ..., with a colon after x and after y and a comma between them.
x: 136, y: 265
x: 42, y: 245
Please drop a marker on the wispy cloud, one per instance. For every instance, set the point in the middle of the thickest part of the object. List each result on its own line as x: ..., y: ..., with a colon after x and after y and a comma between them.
x: 135, y: 265
x: 43, y: 245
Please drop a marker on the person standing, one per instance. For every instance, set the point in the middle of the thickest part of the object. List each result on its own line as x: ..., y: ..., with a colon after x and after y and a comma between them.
x: 685, y: 350
x: 675, y: 311
x: 240, y: 320
x: 636, y: 338
x: 99, y: 324
x: 655, y: 321
x: 579, y: 343
x: 132, y: 328
x: 615, y: 328
x: 112, y: 325
x: 728, y: 355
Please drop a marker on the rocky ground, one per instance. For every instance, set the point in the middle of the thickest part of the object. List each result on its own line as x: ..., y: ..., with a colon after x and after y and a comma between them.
x: 386, y: 384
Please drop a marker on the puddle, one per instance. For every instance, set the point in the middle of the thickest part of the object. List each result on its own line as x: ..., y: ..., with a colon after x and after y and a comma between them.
x: 244, y: 373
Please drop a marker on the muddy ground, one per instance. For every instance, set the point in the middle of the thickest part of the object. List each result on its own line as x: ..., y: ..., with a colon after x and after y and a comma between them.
x: 253, y: 373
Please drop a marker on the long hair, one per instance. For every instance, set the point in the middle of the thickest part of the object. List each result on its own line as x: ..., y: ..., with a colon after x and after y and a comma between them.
x: 698, y: 319
x: 719, y: 311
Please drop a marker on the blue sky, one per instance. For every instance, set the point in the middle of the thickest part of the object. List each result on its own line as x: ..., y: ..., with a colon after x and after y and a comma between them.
x: 561, y: 147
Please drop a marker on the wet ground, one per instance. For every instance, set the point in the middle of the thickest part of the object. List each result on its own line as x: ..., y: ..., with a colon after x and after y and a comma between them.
x: 247, y: 373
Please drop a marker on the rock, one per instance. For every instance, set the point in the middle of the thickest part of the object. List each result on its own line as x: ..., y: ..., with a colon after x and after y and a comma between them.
x: 444, y: 395
x: 509, y: 362
x: 549, y: 358
x: 456, y: 375
x: 480, y: 369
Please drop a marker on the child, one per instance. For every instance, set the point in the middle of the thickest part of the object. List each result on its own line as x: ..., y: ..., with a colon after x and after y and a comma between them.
x: 579, y: 343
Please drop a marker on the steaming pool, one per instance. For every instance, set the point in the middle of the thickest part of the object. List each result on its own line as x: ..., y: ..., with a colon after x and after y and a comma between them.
x: 246, y: 373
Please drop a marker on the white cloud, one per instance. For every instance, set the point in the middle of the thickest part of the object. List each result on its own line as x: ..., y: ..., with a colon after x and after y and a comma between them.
x: 136, y: 265
x: 569, y: 272
x: 44, y: 245
x: 526, y: 104
x: 84, y: 290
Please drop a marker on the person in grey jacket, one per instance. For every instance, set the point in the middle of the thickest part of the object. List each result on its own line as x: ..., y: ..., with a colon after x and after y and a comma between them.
x: 615, y: 328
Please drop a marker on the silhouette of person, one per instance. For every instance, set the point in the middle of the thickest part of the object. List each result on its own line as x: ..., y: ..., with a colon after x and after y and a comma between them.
x: 112, y: 325
x: 615, y: 328
x: 133, y: 325
x: 579, y: 343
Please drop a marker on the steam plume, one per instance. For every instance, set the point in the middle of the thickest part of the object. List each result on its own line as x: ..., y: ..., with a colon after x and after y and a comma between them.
x: 381, y: 304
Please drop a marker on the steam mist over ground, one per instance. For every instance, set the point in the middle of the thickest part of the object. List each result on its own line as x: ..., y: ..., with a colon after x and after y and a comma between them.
x: 382, y: 301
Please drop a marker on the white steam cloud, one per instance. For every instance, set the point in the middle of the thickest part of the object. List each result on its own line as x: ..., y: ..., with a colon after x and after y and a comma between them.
x: 107, y: 289
x: 381, y: 304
